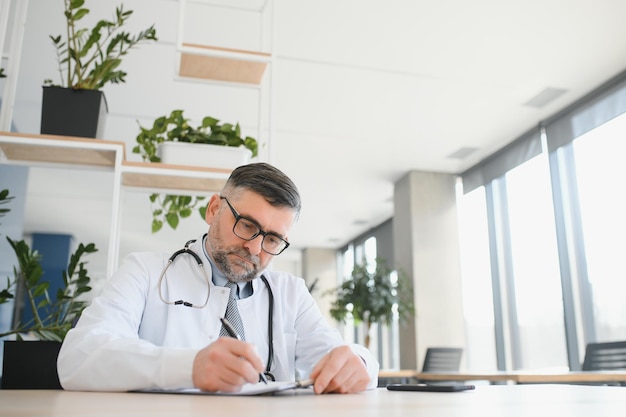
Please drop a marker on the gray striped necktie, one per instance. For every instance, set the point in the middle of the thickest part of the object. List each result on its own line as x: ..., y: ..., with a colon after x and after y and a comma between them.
x: 232, y: 312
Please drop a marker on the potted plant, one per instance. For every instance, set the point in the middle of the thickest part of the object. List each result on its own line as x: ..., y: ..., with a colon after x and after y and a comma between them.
x: 88, y: 59
x: 212, y: 137
x: 32, y: 363
x: 373, y: 297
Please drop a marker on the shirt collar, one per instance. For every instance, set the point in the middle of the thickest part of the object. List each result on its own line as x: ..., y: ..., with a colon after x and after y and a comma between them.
x: 219, y: 279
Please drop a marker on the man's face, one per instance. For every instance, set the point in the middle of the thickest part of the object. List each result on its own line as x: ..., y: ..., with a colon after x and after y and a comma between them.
x: 241, y: 260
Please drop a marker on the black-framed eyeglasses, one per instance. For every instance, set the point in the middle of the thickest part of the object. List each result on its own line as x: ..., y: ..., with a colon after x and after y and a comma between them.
x: 247, y: 229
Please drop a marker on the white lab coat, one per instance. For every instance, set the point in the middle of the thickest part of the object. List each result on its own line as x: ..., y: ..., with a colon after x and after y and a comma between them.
x: 129, y: 339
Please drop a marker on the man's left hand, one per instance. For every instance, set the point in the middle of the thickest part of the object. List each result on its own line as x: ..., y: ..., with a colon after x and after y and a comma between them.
x: 340, y: 371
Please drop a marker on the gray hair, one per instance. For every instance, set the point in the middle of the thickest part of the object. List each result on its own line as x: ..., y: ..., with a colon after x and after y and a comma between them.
x: 268, y: 181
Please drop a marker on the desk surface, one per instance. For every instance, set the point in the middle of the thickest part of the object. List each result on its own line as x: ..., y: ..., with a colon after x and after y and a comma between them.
x: 494, y: 376
x: 527, y: 376
x: 567, y: 377
x: 488, y: 400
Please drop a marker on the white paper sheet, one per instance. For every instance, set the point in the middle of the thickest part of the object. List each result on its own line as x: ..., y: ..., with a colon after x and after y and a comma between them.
x: 248, y: 389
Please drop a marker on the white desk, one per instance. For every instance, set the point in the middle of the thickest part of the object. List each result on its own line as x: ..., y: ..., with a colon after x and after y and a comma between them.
x: 532, y: 377
x: 492, y: 377
x: 485, y: 401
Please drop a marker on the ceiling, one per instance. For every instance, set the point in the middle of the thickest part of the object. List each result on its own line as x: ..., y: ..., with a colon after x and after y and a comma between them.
x: 358, y: 94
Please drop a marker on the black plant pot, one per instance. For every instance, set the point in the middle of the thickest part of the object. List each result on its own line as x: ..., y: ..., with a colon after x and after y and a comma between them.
x: 69, y: 112
x: 30, y: 365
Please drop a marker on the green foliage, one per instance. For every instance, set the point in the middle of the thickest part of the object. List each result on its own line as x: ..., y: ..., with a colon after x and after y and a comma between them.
x: 5, y: 294
x: 89, y: 59
x: 171, y: 208
x: 4, y: 199
x: 176, y: 128
x: 370, y: 296
x: 2, y: 74
x: 52, y: 319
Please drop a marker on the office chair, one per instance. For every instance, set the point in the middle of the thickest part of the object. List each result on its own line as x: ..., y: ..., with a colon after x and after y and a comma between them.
x: 437, y: 359
x: 605, y: 356
x: 608, y: 356
x: 442, y: 359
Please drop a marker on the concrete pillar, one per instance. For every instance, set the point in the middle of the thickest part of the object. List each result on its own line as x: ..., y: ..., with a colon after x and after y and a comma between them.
x: 321, y: 263
x: 426, y: 245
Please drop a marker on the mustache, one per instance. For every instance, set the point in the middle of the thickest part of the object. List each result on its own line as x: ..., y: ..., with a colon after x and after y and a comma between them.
x: 254, y: 259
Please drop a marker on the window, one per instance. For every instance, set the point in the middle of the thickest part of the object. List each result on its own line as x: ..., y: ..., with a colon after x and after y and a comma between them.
x: 477, y: 290
x: 536, y: 310
x: 511, y: 283
x: 599, y: 159
x: 555, y: 227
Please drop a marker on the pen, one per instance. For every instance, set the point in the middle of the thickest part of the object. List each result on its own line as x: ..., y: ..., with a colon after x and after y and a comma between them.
x: 305, y: 383
x: 233, y: 333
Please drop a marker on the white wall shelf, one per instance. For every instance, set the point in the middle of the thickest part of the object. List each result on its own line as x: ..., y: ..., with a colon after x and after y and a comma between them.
x: 222, y: 64
x: 150, y: 175
x: 29, y: 148
x: 211, y: 47
x: 70, y: 152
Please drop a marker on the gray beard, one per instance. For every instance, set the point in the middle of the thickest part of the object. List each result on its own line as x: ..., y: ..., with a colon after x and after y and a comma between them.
x: 220, y: 257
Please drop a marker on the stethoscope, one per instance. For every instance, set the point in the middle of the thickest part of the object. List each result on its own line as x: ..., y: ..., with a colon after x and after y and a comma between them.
x: 270, y: 296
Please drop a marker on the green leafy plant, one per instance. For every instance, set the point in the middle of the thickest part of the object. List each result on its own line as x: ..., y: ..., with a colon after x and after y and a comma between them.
x: 4, y: 199
x: 52, y: 318
x: 2, y: 74
x: 373, y: 296
x: 168, y: 208
x: 176, y: 128
x: 89, y: 59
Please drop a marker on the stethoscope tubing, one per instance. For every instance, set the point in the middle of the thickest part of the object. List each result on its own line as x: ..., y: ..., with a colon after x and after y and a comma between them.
x: 270, y: 296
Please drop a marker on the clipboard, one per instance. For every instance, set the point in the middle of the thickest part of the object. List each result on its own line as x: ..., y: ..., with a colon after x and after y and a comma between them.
x: 259, y: 388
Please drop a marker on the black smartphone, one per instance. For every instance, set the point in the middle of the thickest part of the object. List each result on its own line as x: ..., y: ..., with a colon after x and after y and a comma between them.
x: 430, y: 387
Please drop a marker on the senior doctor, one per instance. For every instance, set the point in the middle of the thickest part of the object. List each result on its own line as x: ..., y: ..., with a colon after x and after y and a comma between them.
x: 156, y: 323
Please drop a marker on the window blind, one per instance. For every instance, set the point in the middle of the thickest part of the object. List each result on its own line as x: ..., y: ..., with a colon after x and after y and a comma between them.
x: 514, y: 154
x: 603, y: 104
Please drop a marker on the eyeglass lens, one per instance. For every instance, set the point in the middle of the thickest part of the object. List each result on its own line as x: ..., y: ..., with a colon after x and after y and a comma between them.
x: 247, y: 230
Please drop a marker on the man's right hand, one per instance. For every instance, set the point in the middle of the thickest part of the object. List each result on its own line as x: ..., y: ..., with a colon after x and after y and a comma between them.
x: 225, y: 365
